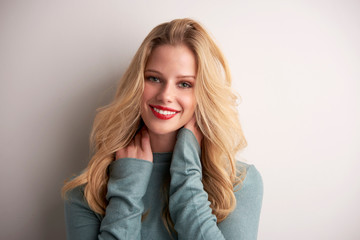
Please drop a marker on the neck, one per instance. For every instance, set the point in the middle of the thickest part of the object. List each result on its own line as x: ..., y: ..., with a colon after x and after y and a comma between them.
x: 162, y: 143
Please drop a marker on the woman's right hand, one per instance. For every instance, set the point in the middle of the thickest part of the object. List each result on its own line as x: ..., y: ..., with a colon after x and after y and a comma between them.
x: 192, y: 126
x: 139, y: 147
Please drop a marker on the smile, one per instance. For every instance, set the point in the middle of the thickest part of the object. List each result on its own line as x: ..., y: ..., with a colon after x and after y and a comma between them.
x: 163, y: 112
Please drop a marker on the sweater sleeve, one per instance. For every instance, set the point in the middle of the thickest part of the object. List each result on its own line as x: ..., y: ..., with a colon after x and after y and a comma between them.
x: 189, y: 206
x: 243, y: 222
x: 128, y: 181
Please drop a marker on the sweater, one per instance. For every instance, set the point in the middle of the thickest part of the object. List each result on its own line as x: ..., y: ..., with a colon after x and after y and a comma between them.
x: 135, y: 189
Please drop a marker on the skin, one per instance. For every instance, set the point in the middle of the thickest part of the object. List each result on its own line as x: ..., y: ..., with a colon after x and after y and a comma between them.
x: 170, y: 76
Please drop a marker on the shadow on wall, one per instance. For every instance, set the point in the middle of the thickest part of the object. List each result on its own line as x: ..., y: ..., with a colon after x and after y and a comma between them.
x: 73, y: 152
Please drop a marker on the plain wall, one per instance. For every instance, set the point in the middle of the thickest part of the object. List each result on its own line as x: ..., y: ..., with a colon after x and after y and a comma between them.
x: 296, y: 65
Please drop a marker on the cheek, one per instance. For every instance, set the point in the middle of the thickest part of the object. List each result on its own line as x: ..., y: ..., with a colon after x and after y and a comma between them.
x: 189, y: 104
x: 147, y: 94
x: 144, y: 99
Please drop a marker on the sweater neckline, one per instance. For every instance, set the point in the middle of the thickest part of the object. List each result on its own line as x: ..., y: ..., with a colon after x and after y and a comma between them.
x: 162, y: 157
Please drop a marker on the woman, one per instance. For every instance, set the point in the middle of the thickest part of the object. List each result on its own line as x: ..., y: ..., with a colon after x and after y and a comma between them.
x: 164, y: 165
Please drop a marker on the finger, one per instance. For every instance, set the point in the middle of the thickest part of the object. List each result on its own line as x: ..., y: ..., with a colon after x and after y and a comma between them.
x: 146, y: 146
x: 193, y: 120
x: 131, y: 149
x: 119, y: 153
x: 145, y: 140
x: 137, y: 140
x: 192, y: 123
x: 122, y: 152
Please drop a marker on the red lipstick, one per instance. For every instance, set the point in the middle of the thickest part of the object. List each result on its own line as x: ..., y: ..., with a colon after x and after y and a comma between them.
x: 160, y: 109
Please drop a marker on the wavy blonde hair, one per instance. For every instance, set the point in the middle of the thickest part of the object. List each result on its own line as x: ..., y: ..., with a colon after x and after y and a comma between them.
x: 116, y: 123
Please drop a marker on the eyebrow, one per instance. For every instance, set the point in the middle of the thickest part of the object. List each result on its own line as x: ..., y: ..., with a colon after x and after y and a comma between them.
x: 180, y: 76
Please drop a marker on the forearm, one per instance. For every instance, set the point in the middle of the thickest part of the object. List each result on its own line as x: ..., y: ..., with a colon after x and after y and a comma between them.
x: 128, y: 180
x: 188, y: 204
x: 127, y: 185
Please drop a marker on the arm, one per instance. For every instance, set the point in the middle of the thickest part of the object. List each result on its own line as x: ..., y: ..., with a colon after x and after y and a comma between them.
x: 128, y: 180
x: 189, y: 205
x: 127, y: 185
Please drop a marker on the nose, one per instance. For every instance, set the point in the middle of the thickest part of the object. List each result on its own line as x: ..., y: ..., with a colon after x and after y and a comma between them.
x: 166, y: 93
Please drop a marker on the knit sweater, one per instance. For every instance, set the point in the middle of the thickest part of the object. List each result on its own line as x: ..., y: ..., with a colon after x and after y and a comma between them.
x: 136, y: 188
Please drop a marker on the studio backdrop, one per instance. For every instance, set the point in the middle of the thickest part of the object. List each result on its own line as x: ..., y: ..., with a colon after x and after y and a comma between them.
x: 295, y: 64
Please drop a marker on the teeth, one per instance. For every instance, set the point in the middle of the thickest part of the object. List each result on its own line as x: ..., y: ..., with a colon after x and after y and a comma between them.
x: 164, y: 112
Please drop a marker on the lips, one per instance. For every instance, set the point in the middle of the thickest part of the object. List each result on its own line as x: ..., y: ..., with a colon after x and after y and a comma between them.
x: 163, y: 113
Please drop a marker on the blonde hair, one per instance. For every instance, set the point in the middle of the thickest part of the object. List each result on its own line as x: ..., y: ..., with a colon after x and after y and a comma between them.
x: 216, y: 114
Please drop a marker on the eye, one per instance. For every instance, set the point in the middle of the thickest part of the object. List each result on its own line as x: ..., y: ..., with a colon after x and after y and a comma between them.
x: 185, y: 85
x: 153, y: 79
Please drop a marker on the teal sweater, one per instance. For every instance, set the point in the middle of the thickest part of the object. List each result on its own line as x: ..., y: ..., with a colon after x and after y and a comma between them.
x: 135, y: 187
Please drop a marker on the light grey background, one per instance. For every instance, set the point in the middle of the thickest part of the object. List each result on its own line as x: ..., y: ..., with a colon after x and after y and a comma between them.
x: 295, y: 64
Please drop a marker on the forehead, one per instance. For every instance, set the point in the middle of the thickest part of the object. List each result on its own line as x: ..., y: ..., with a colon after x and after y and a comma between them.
x: 168, y: 58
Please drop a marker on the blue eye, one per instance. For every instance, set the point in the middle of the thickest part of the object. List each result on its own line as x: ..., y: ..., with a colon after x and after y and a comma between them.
x: 153, y: 79
x: 185, y: 85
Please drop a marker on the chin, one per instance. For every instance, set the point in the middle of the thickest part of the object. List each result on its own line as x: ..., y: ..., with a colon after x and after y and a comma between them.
x: 160, y: 130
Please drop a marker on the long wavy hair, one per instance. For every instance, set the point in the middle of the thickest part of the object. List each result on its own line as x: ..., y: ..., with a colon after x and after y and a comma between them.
x: 216, y: 114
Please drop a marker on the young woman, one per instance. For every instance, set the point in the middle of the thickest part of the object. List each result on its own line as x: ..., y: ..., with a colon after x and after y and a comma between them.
x: 164, y: 162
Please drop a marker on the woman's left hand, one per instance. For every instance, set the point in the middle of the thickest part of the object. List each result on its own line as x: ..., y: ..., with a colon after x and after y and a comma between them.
x: 192, y: 126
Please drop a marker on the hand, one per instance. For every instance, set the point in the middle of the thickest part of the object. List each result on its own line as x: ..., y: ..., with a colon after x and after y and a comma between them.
x: 192, y: 126
x: 138, y: 148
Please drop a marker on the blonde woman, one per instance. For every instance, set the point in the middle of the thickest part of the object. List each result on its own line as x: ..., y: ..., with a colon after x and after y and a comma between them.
x: 164, y: 150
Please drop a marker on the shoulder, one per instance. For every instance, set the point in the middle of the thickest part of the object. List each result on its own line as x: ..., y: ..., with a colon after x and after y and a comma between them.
x: 75, y: 203
x: 243, y: 222
x: 252, y: 182
x: 249, y: 196
x: 76, y: 196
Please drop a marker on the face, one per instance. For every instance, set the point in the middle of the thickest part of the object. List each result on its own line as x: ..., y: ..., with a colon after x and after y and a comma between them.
x: 168, y: 100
